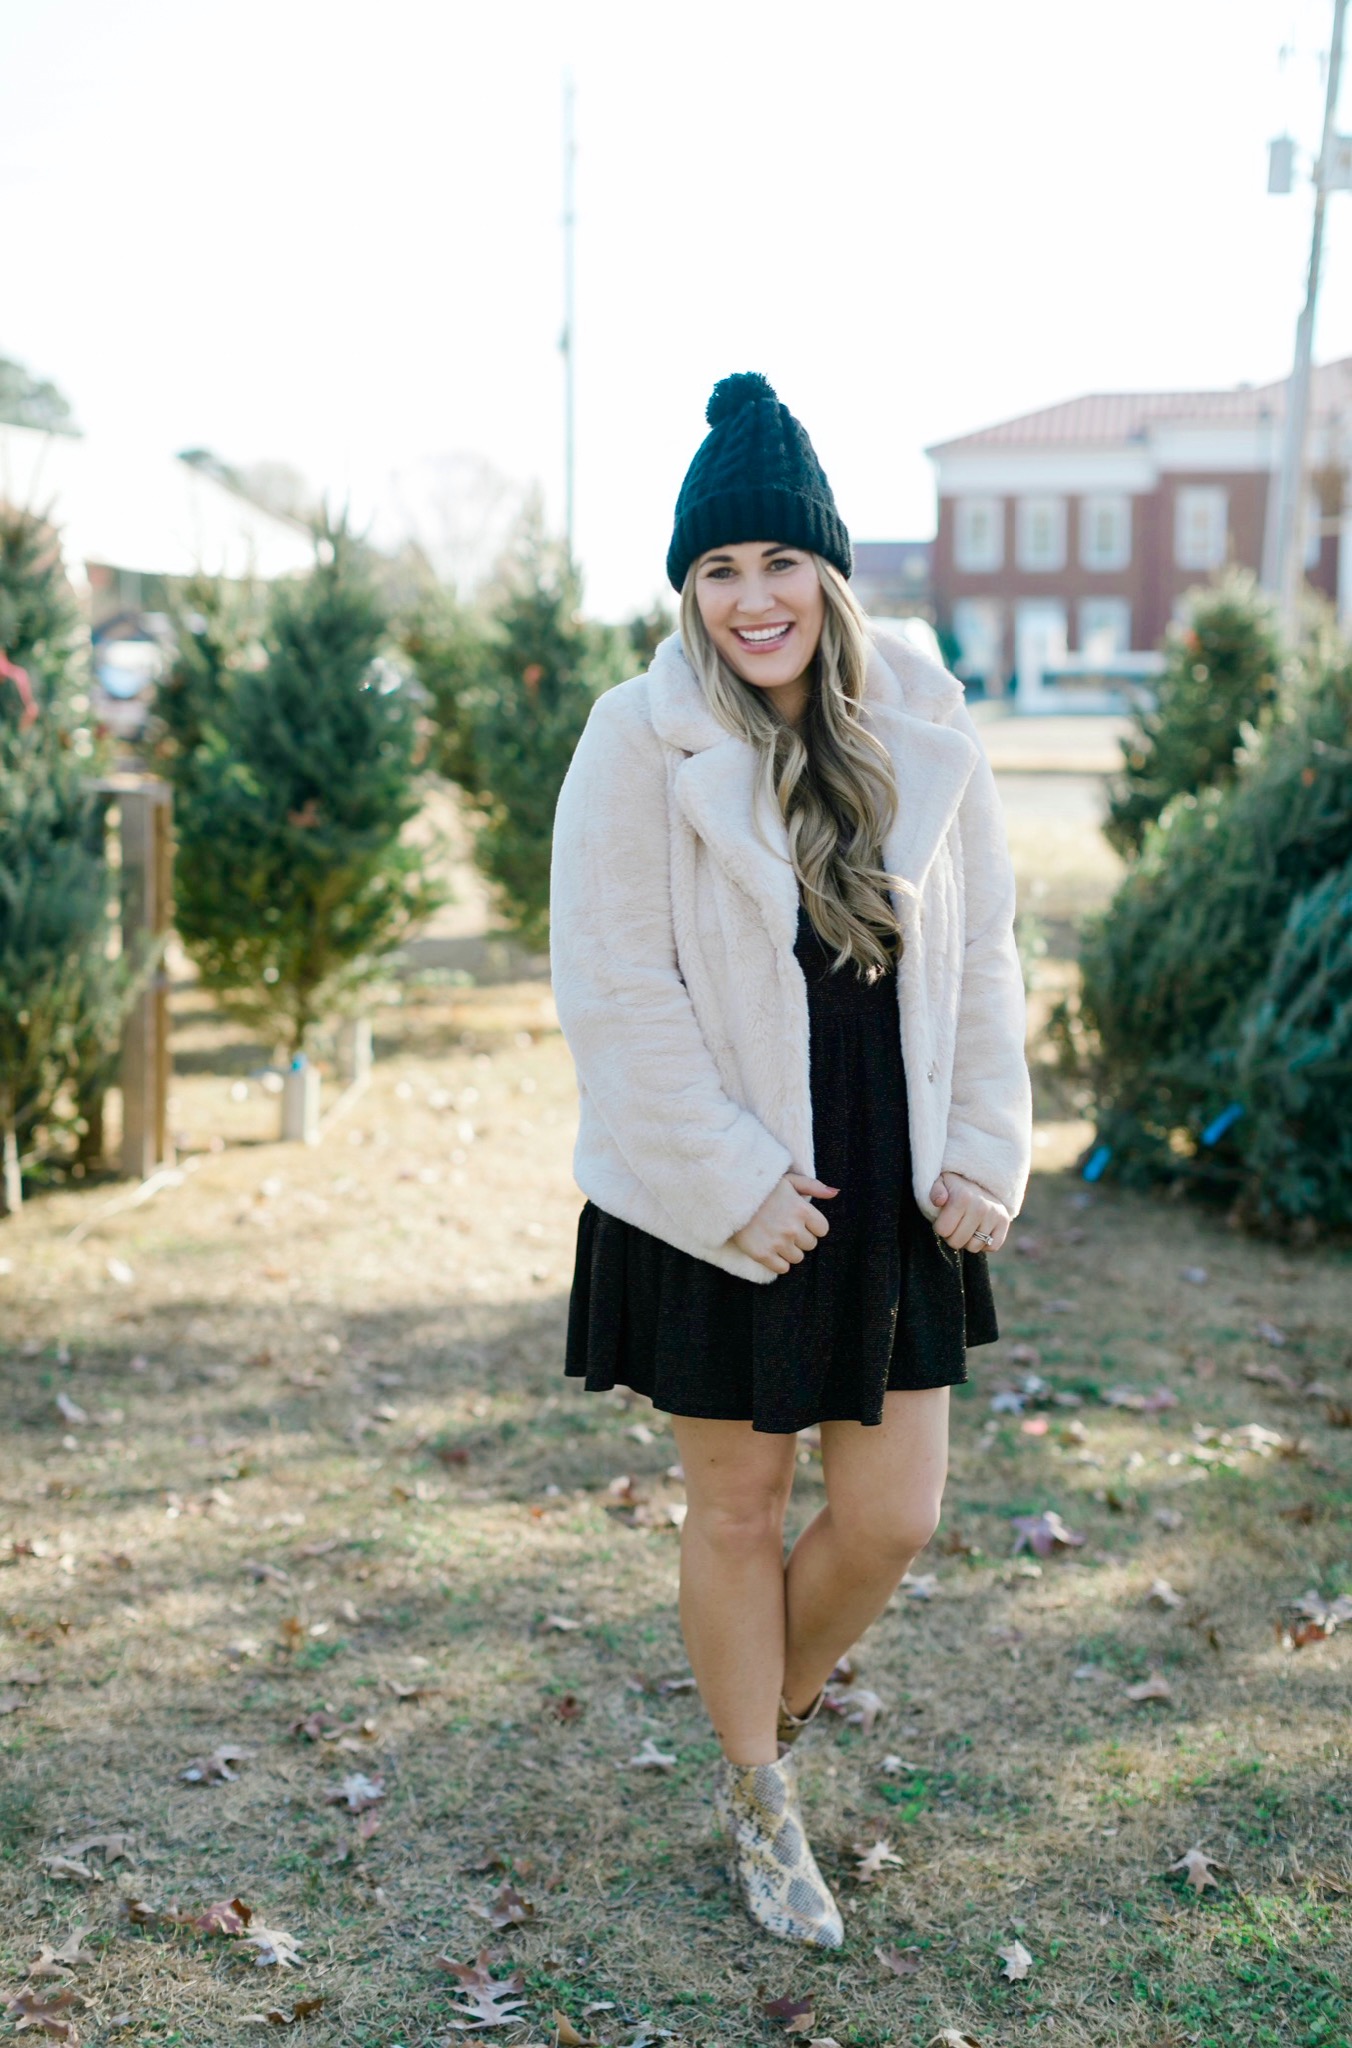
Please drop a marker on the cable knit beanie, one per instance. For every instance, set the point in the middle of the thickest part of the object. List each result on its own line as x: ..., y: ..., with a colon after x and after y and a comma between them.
x: 755, y: 476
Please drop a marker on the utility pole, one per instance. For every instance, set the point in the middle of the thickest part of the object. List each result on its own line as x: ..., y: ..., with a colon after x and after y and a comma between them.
x: 1288, y: 568
x: 566, y: 338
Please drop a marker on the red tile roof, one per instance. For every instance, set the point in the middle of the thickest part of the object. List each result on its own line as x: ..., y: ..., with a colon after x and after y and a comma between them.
x: 1114, y: 418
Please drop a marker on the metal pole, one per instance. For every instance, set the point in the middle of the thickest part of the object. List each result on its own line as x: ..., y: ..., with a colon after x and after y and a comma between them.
x: 1290, y: 524
x: 566, y: 339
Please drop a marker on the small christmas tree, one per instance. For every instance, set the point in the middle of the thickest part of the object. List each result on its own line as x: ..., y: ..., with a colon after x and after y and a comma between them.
x: 1220, y: 684
x: 294, y: 879
x: 1294, y: 1075
x: 544, y: 669
x: 1192, y: 942
x: 62, y: 999
x: 448, y: 644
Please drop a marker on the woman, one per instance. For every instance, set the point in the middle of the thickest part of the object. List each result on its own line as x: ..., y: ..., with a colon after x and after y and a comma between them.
x: 783, y: 957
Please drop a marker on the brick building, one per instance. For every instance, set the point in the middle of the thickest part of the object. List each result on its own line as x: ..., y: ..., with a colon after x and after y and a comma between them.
x: 1069, y: 536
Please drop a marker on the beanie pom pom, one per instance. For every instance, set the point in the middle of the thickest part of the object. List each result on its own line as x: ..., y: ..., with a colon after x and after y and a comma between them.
x: 730, y: 394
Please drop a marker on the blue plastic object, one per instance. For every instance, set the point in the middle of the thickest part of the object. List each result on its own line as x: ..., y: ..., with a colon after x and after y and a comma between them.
x: 1097, y: 1160
x: 1219, y: 1125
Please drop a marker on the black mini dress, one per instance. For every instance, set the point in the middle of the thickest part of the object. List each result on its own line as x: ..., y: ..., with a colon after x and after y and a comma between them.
x: 880, y: 1303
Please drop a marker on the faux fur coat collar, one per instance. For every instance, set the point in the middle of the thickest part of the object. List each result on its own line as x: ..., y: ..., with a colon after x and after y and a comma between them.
x: 674, y: 913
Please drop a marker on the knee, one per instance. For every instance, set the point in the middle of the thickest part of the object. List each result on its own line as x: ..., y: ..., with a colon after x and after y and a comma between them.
x: 895, y: 1531
x: 740, y: 1526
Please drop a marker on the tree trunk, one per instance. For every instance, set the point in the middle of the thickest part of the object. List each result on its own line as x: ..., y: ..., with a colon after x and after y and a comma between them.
x: 11, y: 1183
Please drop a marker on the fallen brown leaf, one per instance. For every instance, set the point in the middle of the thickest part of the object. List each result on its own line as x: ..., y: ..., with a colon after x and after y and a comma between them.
x: 316, y: 1727
x: 871, y: 1860
x: 37, y: 2009
x: 356, y: 1792
x: 275, y: 1947
x: 950, y: 2037
x: 113, y: 1848
x: 54, y: 1962
x: 506, y: 1908
x: 857, y: 1704
x: 215, y: 1769
x: 303, y: 2009
x: 1155, y: 1687
x: 1044, y: 1534
x: 67, y: 1866
x: 651, y: 1758
x: 488, y: 2001
x: 1198, y: 1867
x: 227, y: 1916
x: 1162, y: 1594
x: 795, y: 2014
x: 1017, y: 1961
x: 901, y: 1962
x: 567, y: 2033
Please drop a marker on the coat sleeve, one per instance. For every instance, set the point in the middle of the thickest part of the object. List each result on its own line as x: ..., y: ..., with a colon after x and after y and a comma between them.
x: 990, y: 1123
x: 623, y: 1006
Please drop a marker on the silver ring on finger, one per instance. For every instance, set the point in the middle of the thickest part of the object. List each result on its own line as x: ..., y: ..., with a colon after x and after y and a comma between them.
x: 983, y: 1237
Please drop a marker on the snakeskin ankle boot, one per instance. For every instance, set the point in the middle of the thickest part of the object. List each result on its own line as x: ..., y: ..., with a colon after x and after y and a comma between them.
x: 791, y: 1726
x: 771, y: 1864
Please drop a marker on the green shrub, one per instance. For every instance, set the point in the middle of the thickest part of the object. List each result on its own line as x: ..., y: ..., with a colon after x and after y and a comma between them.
x: 1219, y: 686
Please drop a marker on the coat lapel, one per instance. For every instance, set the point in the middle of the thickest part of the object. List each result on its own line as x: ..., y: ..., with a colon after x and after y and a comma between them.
x: 715, y: 786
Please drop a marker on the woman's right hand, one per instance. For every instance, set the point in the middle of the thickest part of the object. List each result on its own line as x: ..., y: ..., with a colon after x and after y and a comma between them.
x: 786, y: 1225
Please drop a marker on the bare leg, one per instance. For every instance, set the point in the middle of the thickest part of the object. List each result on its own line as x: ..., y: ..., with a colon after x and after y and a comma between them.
x: 737, y: 1485
x: 883, y: 1489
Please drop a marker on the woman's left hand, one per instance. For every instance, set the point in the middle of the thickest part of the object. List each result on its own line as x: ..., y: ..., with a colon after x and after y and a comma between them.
x: 964, y: 1210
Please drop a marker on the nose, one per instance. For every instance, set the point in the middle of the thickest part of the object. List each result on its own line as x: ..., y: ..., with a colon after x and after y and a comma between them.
x: 755, y: 598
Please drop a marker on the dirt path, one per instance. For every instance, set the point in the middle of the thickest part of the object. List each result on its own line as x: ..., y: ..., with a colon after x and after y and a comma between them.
x: 291, y: 1470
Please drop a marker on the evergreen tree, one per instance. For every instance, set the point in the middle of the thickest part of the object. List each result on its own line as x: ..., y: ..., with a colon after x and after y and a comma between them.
x: 217, y: 633
x: 294, y: 879
x: 62, y: 1000
x: 1219, y: 686
x: 1186, y: 953
x: 645, y: 633
x: 1294, y: 1075
x: 512, y: 702
x: 448, y: 645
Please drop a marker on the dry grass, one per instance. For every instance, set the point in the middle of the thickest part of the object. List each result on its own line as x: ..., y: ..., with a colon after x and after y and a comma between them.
x: 342, y: 1365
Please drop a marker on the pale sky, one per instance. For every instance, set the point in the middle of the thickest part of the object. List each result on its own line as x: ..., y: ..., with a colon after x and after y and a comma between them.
x: 328, y: 233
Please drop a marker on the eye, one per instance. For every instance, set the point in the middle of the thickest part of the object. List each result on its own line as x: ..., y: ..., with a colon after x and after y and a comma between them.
x: 784, y: 562
x: 720, y: 571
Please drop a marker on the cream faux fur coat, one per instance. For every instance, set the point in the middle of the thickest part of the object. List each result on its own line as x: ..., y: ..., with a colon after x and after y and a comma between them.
x: 673, y: 924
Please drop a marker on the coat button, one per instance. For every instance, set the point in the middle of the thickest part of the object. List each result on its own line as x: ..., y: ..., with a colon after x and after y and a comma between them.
x: 931, y: 1070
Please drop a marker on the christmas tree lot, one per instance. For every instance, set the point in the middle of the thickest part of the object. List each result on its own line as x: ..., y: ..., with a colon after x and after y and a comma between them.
x: 62, y: 997
x: 512, y: 692
x: 1214, y: 1024
x: 293, y: 761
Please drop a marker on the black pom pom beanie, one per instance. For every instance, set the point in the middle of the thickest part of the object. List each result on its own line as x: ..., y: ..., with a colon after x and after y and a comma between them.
x: 755, y: 476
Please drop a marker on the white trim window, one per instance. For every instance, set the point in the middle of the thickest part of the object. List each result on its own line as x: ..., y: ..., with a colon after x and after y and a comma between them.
x: 1040, y: 533
x: 1105, y: 627
x: 1314, y: 530
x: 979, y: 629
x: 1105, y: 532
x: 1201, y: 526
x: 978, y: 534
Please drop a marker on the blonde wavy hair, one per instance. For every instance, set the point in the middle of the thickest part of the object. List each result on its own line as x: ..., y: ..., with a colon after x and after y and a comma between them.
x: 830, y: 778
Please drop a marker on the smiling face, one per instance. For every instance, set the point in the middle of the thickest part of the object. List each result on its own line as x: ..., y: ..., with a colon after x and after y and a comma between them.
x: 762, y: 606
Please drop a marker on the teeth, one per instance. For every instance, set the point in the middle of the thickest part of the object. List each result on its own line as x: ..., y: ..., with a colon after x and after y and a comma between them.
x: 762, y: 633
